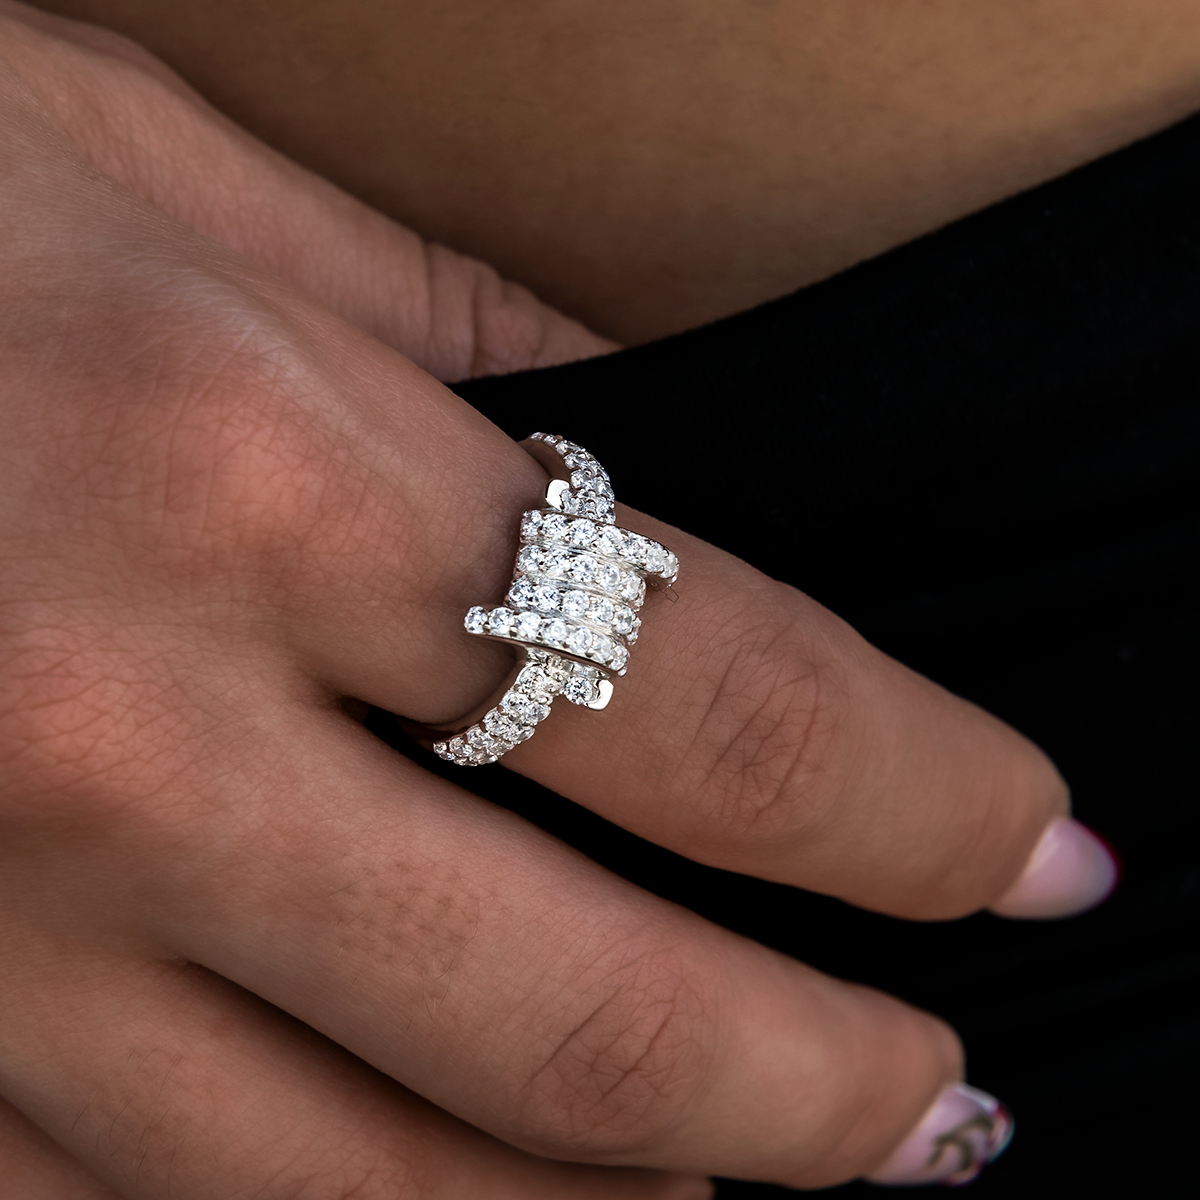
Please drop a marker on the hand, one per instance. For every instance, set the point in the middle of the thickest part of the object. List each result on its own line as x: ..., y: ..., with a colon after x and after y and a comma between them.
x: 248, y: 950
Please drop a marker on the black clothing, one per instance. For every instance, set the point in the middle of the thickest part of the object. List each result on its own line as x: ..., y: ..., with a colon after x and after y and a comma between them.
x: 979, y: 449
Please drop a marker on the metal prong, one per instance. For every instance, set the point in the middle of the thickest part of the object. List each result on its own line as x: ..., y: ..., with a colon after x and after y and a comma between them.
x: 605, y: 688
x: 554, y: 492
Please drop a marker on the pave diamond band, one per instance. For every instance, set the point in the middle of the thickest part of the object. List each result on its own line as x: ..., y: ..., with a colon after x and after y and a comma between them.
x: 572, y: 608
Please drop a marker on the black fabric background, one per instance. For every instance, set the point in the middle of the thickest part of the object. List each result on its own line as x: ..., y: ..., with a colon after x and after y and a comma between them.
x: 980, y: 450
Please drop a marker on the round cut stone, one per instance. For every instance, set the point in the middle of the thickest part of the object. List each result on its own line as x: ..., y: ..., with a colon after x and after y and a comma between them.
x: 620, y: 658
x: 579, y: 641
x: 547, y: 597
x: 500, y: 621
x: 656, y: 559
x: 556, y: 560
x: 530, y: 524
x: 575, y: 604
x: 609, y: 577
x: 601, y: 611
x: 555, y: 631
x: 584, y: 567
x: 623, y: 619
x: 583, y: 533
x: 554, y: 527
x: 610, y: 540
x: 520, y: 595
x: 631, y: 586
x: 475, y: 620
x: 528, y: 559
x: 581, y: 690
x: 527, y: 626
x: 602, y: 649
x: 501, y: 725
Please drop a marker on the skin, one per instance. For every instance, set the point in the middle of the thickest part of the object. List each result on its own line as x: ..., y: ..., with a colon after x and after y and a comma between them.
x: 648, y: 165
x: 247, y: 950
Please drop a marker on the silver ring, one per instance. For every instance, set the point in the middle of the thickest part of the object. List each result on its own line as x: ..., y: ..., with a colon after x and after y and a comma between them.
x: 572, y: 607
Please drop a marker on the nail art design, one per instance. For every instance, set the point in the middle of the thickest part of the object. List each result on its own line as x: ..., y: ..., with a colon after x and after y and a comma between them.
x: 964, y: 1131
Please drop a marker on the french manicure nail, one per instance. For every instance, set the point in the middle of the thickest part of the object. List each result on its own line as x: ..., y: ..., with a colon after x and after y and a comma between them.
x: 964, y: 1131
x: 1069, y: 871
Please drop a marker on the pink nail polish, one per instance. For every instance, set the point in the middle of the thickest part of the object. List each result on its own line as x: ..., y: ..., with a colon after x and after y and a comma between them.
x: 1069, y: 871
x: 964, y: 1131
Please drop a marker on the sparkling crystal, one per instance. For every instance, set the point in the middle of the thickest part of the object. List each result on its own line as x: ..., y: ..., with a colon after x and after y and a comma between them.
x: 609, y: 577
x: 547, y: 597
x: 579, y: 641
x: 521, y: 594
x: 610, y: 540
x: 476, y: 619
x: 584, y: 567
x: 523, y: 734
x: 565, y: 447
x: 551, y: 438
x: 554, y: 632
x: 501, y: 725
x: 439, y: 748
x: 530, y: 523
x: 481, y: 739
x: 623, y: 619
x: 602, y: 649
x: 672, y: 566
x: 600, y: 611
x: 656, y: 559
x: 630, y: 547
x: 631, y: 587
x: 583, y: 533
x: 556, y: 560
x: 619, y: 658
x: 499, y: 621
x: 527, y: 626
x: 528, y: 559
x: 575, y: 604
x: 555, y: 527
x: 581, y: 690
x: 583, y: 477
x: 632, y: 635
x: 456, y: 746
x: 536, y: 685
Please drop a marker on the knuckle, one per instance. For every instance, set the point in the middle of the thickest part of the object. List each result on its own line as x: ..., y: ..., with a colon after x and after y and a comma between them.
x: 628, y: 1070
x: 766, y: 737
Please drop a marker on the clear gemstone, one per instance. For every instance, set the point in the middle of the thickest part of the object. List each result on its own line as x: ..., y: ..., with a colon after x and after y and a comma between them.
x: 579, y: 641
x: 623, y: 619
x: 521, y: 594
x: 558, y: 669
x: 611, y: 541
x: 609, y: 577
x: 456, y: 746
x: 476, y: 619
x: 656, y: 559
x: 632, y: 635
x: 630, y: 547
x: 581, y: 690
x: 535, y: 684
x: 672, y: 565
x: 583, y: 477
x: 547, y: 598
x: 575, y: 604
x: 501, y: 725
x: 601, y: 611
x: 530, y: 523
x: 620, y: 658
x: 524, y: 733
x: 480, y: 739
x: 565, y: 447
x: 528, y: 559
x: 556, y: 560
x: 439, y: 748
x: 602, y: 649
x: 555, y: 527
x: 631, y: 587
x: 555, y: 631
x: 527, y: 626
x: 583, y: 533
x: 499, y: 620
x: 584, y: 567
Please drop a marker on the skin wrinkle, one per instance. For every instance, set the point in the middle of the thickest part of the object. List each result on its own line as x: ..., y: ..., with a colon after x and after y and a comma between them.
x: 749, y: 805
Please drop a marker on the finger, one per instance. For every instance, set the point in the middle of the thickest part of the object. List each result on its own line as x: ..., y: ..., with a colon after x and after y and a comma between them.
x: 38, y: 1168
x: 140, y: 124
x: 165, y: 1081
x: 502, y: 976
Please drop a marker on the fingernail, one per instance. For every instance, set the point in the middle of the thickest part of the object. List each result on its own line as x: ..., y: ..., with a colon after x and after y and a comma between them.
x: 964, y: 1131
x: 1069, y: 871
